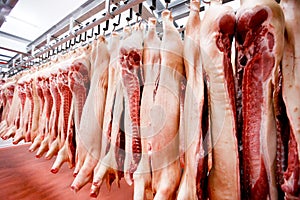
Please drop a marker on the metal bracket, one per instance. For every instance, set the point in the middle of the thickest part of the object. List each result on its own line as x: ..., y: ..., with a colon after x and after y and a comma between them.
x: 32, y: 50
x: 71, y: 26
x: 107, y: 8
x: 48, y: 39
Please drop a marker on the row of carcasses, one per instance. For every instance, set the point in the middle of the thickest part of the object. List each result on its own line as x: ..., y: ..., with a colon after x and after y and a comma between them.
x: 36, y: 104
x: 118, y: 136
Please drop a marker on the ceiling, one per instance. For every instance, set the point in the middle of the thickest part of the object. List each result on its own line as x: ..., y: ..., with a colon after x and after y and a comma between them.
x: 27, y: 22
x: 29, y: 19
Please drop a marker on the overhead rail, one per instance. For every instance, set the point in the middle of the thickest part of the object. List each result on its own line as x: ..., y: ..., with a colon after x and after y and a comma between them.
x: 117, y: 11
x: 71, y: 30
x: 13, y: 37
x: 85, y: 11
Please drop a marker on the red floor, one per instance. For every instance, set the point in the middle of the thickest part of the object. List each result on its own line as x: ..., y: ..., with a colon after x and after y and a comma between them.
x: 24, y: 177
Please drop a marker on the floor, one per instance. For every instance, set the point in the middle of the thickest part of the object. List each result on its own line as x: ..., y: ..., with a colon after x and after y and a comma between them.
x: 24, y: 177
x: 6, y: 143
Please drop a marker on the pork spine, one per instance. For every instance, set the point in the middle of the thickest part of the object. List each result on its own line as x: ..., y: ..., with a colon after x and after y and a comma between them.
x: 259, y: 47
x: 130, y: 53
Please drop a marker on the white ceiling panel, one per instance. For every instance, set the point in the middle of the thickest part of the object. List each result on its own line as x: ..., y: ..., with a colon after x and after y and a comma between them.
x: 7, y: 53
x: 21, y: 28
x: 31, y: 18
x: 13, y: 44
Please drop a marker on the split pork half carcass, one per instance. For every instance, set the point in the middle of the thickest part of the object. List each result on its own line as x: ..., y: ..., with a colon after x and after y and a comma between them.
x: 7, y: 93
x: 151, y: 74
x: 88, y: 138
x: 38, y: 110
x: 217, y: 31
x: 130, y: 59
x: 111, y: 163
x: 162, y: 140
x: 19, y: 134
x: 291, y: 95
x: 259, y: 49
x: 25, y: 95
x: 193, y: 183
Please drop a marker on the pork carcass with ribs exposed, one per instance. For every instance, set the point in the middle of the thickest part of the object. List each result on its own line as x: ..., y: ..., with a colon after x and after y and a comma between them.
x: 4, y: 103
x: 58, y: 136
x: 77, y: 79
x: 66, y: 117
x: 36, y: 107
x: 38, y: 134
x: 13, y: 118
x: 19, y: 134
x: 48, y: 105
x: 8, y: 92
x: 130, y: 59
x: 259, y: 49
x: 54, y: 117
x: 2, y: 99
x: 29, y: 109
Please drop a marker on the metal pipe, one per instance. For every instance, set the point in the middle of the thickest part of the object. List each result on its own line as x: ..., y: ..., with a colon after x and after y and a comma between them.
x: 15, y: 51
x: 6, y: 56
x: 14, y: 37
x: 107, y: 7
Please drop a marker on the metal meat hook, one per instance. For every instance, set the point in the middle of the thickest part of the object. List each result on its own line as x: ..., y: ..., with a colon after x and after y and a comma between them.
x: 98, y: 31
x: 117, y: 24
x: 92, y: 32
x: 129, y: 18
x: 106, y: 27
x: 167, y: 3
x: 153, y: 6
